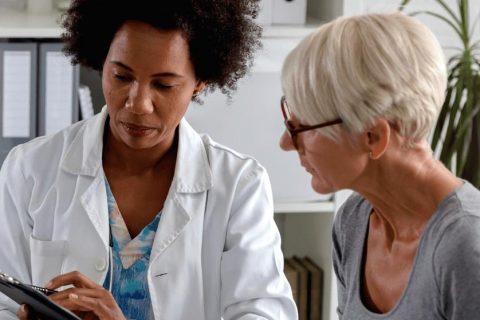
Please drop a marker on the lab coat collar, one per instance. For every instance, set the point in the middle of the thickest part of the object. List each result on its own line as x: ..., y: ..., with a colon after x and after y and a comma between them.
x: 192, y: 171
x: 84, y: 157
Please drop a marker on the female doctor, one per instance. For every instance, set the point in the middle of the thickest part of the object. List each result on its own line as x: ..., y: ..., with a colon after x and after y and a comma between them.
x: 187, y: 222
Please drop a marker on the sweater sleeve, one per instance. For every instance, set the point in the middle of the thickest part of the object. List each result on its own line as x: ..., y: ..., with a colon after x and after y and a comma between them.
x: 253, y: 283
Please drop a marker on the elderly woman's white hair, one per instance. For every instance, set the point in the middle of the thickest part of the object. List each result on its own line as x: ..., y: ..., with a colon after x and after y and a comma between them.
x: 365, y: 67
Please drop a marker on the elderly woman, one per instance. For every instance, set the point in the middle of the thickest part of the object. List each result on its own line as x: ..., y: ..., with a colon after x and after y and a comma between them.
x: 187, y: 223
x: 361, y: 96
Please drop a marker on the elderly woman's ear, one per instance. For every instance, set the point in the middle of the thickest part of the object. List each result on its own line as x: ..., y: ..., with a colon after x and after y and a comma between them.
x: 377, y: 138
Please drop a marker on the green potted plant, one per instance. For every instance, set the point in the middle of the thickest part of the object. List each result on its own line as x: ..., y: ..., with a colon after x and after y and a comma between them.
x: 456, y: 137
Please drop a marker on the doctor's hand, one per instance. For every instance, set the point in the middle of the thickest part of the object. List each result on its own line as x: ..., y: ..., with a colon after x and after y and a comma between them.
x: 23, y: 313
x: 87, y: 299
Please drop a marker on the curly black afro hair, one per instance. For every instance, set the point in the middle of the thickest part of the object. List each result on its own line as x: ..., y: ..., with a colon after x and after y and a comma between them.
x: 222, y: 34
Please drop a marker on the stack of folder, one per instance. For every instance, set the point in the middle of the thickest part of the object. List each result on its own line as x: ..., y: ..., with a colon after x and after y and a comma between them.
x: 306, y: 279
x: 38, y: 92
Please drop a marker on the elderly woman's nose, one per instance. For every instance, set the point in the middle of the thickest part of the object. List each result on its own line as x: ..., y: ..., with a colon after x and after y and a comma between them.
x: 286, y: 142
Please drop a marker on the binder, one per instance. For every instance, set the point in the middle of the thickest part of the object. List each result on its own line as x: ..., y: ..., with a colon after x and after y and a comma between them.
x: 85, y: 100
x: 58, y: 89
x: 18, y: 94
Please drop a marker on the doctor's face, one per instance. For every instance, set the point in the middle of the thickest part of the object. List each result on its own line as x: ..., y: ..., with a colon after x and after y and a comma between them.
x: 148, y: 81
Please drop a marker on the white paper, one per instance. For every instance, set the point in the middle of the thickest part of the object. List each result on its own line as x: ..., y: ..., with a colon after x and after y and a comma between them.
x: 58, y: 92
x: 86, y: 104
x: 16, y: 94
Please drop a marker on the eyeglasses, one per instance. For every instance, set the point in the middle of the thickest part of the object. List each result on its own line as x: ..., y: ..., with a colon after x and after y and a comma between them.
x: 292, y: 131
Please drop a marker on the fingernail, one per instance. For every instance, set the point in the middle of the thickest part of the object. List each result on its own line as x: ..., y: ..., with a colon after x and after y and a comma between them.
x: 22, y: 308
x: 73, y: 296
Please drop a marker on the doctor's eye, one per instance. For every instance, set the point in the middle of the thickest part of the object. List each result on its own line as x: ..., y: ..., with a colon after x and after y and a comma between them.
x: 163, y: 86
x: 121, y: 77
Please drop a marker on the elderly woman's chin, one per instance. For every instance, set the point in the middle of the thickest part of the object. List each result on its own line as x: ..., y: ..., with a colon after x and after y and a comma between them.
x: 322, y: 186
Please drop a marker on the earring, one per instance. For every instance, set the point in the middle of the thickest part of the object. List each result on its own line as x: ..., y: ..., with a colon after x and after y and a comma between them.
x: 370, y: 155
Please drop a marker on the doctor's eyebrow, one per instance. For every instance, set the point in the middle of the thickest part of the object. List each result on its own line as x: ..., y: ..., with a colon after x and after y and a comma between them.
x: 160, y: 74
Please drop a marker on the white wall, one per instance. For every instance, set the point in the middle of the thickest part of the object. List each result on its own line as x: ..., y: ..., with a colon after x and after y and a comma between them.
x: 447, y: 37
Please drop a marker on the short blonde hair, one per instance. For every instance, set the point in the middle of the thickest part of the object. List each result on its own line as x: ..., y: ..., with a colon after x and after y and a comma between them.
x: 361, y: 68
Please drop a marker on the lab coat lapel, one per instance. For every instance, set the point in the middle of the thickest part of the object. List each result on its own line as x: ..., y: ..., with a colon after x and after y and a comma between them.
x: 188, y: 193
x: 84, y: 158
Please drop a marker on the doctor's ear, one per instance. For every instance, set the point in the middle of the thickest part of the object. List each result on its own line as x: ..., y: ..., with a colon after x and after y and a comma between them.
x: 200, y: 86
x: 377, y: 138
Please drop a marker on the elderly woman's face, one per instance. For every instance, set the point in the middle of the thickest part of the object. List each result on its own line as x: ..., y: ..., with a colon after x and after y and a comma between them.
x: 148, y: 81
x: 333, y: 165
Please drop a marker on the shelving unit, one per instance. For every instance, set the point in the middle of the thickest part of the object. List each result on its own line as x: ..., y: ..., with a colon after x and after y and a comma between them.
x: 305, y: 207
x: 19, y: 24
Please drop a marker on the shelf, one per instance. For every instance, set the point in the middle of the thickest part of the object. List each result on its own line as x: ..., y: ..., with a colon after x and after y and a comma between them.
x: 304, y: 207
x: 20, y: 24
x: 290, y: 31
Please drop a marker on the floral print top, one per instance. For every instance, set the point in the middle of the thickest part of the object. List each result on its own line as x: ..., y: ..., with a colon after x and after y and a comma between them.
x: 131, y: 258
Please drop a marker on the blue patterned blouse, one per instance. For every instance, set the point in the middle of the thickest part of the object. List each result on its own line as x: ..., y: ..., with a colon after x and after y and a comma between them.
x: 130, y: 263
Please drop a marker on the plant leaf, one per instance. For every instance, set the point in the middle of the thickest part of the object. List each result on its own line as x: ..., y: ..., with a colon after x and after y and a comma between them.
x: 463, y: 9
x: 450, y: 11
x: 450, y: 136
x: 403, y: 5
x: 471, y: 170
x: 441, y: 119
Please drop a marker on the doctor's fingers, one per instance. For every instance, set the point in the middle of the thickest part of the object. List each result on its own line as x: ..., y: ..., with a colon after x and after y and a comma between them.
x: 97, y: 293
x: 23, y: 313
x: 75, y: 278
x: 104, y: 309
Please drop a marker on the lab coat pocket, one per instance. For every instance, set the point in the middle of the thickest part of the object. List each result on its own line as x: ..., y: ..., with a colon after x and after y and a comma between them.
x: 47, y: 259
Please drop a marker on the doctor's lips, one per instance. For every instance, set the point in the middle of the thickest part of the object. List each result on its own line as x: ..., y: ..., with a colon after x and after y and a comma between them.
x: 136, y: 130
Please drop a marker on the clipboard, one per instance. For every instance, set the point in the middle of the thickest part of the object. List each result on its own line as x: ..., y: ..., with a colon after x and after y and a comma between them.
x: 43, y: 307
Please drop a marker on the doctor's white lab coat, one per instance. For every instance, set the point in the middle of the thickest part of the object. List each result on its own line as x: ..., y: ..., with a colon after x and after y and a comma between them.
x: 216, y: 251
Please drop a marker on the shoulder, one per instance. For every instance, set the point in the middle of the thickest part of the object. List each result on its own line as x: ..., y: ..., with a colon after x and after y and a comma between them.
x: 226, y: 161
x: 456, y: 256
x: 349, y: 229
x: 44, y: 151
x: 460, y: 211
x: 457, y: 232
x: 355, y: 209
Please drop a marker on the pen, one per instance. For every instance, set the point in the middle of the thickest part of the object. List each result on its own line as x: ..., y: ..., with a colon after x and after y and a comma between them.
x: 43, y: 290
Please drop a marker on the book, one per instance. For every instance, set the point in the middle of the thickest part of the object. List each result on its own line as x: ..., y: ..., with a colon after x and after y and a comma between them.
x: 302, y: 272
x: 315, y: 285
x: 292, y: 277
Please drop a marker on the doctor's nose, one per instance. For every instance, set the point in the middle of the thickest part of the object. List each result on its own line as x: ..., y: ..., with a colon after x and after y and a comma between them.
x: 139, y: 99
